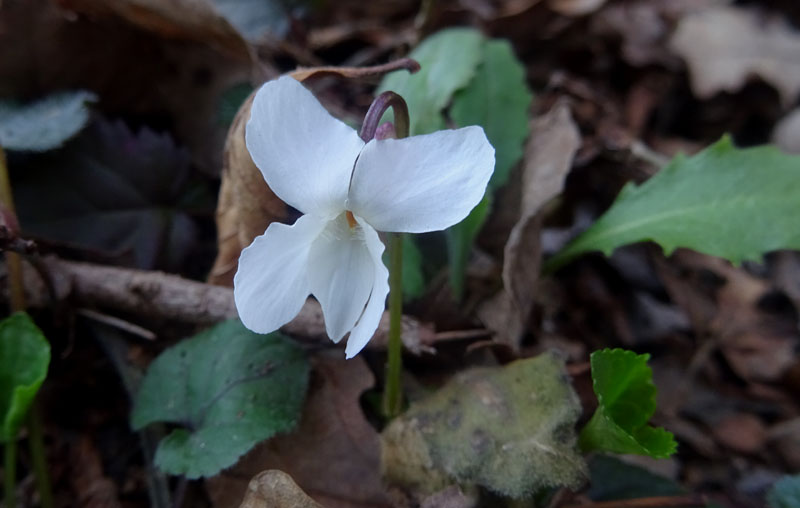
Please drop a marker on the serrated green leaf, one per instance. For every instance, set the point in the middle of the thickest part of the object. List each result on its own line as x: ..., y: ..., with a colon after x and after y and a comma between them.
x: 785, y: 493
x: 728, y: 202
x: 24, y: 358
x: 510, y: 429
x: 129, y: 195
x: 230, y: 388
x: 497, y: 99
x: 460, y: 239
x: 626, y: 395
x: 45, y: 124
x: 449, y: 59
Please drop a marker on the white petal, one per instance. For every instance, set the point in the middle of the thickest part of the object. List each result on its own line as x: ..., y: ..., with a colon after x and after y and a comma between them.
x: 341, y: 273
x: 270, y: 286
x: 305, y: 154
x: 365, y: 329
x: 422, y: 183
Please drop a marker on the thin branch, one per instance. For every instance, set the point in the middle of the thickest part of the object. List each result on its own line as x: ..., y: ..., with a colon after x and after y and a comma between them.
x: 162, y: 296
x: 690, y: 501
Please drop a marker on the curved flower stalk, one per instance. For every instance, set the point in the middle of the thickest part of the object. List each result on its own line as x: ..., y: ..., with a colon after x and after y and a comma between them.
x: 347, y: 190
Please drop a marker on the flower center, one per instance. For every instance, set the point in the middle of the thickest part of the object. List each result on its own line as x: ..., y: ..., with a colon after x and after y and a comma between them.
x: 351, y: 220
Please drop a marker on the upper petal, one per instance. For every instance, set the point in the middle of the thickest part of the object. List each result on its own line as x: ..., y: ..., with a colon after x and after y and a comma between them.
x: 341, y: 274
x: 271, y: 286
x: 371, y: 318
x: 305, y: 154
x: 422, y: 183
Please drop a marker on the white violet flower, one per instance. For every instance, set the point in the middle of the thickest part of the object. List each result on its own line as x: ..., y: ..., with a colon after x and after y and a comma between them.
x: 347, y: 190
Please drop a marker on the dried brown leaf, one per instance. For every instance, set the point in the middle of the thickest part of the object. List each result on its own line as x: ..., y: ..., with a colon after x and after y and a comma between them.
x: 276, y: 489
x: 725, y: 46
x: 333, y: 455
x: 246, y: 204
x: 194, y: 20
x: 304, y: 73
x: 552, y: 145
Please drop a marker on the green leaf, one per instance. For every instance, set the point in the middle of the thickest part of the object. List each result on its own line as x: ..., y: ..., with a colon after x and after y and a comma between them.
x: 128, y: 195
x: 497, y: 99
x: 231, y: 100
x: 24, y: 358
x: 510, y: 429
x: 413, y: 278
x: 45, y: 124
x: 626, y: 395
x: 229, y: 388
x: 785, y: 493
x: 449, y: 59
x: 460, y: 239
x: 728, y: 202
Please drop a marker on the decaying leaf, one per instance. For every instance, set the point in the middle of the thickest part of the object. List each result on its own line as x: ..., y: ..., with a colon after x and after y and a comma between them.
x: 759, y: 346
x: 553, y: 143
x: 725, y: 46
x: 510, y: 429
x: 276, y: 489
x: 229, y: 25
x: 342, y: 469
x: 575, y: 7
x: 246, y: 204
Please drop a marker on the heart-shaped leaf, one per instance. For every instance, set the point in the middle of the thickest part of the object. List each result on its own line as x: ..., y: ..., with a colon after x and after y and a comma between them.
x: 228, y: 388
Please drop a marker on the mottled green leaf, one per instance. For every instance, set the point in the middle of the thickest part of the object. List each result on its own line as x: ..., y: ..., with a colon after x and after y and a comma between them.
x: 449, y: 59
x: 228, y: 388
x: 44, y: 124
x: 24, y: 358
x: 785, y: 493
x: 497, y: 99
x: 728, y: 202
x: 459, y: 244
x: 623, y: 383
x: 510, y: 429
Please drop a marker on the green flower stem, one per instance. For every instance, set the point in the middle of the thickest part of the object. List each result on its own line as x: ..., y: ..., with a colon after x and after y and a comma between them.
x: 393, y: 394
x: 17, y: 303
x: 10, y: 477
x: 38, y: 457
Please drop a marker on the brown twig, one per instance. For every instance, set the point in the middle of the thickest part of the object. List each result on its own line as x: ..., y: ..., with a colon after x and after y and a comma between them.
x: 158, y: 295
x: 690, y: 501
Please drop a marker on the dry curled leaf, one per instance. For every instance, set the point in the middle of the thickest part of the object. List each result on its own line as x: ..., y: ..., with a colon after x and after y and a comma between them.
x: 194, y: 20
x: 276, y: 489
x: 343, y: 469
x: 246, y: 204
x: 554, y: 140
x: 725, y: 46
